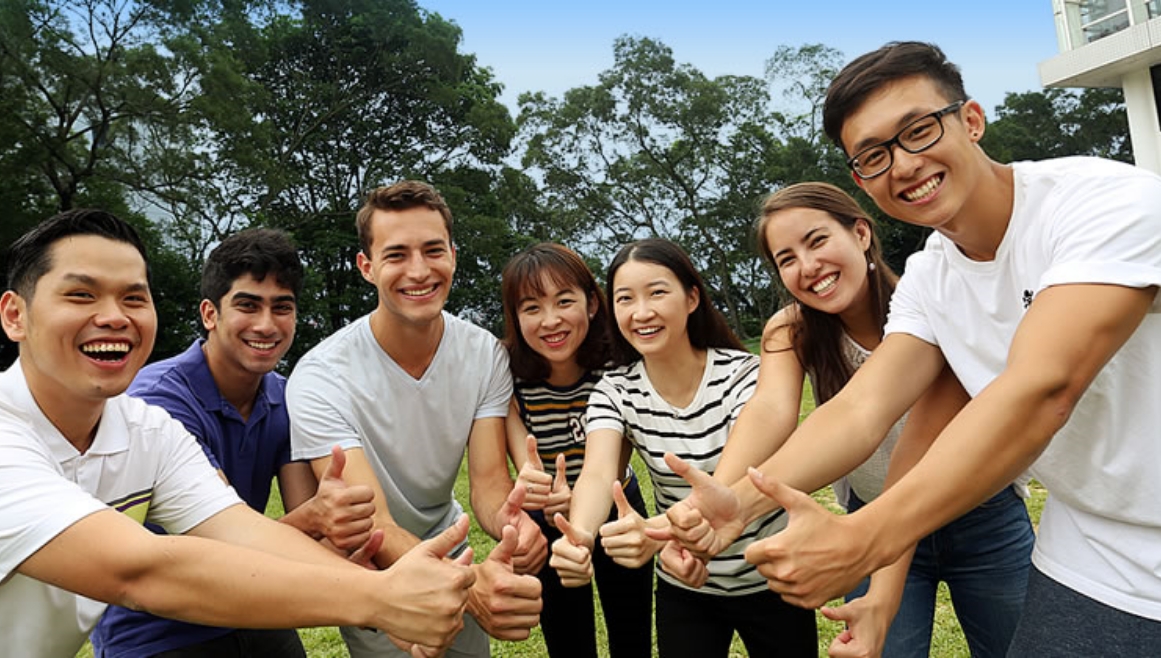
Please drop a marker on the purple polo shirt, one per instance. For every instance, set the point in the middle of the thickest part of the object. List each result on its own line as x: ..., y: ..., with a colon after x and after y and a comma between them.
x: 249, y: 452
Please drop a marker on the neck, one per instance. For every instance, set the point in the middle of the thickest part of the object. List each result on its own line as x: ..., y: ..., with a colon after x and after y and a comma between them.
x: 238, y: 386
x: 412, y: 346
x: 861, y: 324
x: 76, y: 420
x: 982, y: 222
x: 564, y: 374
x: 677, y: 375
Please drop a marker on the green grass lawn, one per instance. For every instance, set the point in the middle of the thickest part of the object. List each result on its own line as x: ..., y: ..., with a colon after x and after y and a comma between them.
x: 947, y: 638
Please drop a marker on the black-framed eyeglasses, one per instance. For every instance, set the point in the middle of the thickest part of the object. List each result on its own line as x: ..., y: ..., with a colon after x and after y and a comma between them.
x: 916, y: 137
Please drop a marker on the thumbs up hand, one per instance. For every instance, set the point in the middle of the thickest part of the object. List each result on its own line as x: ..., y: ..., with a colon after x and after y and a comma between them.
x: 505, y: 604
x: 817, y: 557
x: 338, y: 512
x: 625, y: 540
x: 560, y: 499
x: 536, y: 483
x: 572, y: 554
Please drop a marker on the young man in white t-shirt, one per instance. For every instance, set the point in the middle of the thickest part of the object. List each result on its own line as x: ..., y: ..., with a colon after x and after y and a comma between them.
x: 1039, y: 289
x: 83, y: 466
x: 405, y: 391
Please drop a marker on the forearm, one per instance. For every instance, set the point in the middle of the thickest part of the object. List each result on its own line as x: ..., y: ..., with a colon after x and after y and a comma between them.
x: 759, y: 432
x: 592, y: 497
x: 488, y: 494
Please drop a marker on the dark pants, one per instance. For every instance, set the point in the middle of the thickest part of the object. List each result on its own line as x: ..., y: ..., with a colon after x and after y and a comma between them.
x: 697, y: 625
x: 1061, y: 623
x: 626, y: 599
x: 244, y: 644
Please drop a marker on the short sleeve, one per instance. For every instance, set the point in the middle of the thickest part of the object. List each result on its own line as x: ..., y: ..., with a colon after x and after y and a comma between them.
x: 499, y: 389
x: 907, y: 315
x: 603, y: 411
x: 317, y: 403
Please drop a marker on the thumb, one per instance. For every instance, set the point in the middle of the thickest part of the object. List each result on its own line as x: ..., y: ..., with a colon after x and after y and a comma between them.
x: 338, y: 463
x: 561, y: 480
x: 694, y: 476
x: 443, y: 543
x: 623, y: 507
x: 533, y: 453
x: 838, y: 613
x: 504, y: 551
x: 566, y: 529
x: 512, y: 505
x: 787, y: 497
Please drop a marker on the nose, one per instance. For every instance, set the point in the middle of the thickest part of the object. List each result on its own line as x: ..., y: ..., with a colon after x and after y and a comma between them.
x: 264, y: 321
x: 111, y: 314
x: 810, y: 264
x: 417, y: 267
x: 551, y: 318
x: 642, y: 310
x: 905, y: 164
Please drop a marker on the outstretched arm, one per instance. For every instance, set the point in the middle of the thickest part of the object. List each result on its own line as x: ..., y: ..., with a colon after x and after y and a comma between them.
x: 328, y: 508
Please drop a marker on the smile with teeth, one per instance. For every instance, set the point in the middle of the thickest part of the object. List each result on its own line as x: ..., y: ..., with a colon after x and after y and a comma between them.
x: 419, y: 292
x: 647, y: 331
x: 924, y: 190
x: 106, y: 351
x: 555, y: 339
x: 260, y: 346
x: 825, y: 284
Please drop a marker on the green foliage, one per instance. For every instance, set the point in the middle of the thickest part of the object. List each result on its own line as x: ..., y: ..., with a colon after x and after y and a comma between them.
x: 1055, y: 123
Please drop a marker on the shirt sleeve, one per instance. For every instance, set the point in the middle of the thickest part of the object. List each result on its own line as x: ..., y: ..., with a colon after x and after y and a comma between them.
x: 603, y: 411
x: 39, y: 503
x: 499, y: 389
x: 318, y: 406
x: 1107, y: 232
x: 907, y: 314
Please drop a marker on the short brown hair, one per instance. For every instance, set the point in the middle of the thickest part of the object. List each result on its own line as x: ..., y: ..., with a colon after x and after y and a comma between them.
x: 870, y: 72
x: 403, y: 195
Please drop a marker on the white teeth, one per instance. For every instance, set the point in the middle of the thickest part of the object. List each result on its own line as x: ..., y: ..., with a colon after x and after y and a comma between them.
x: 94, y: 348
x: 261, y: 346
x: 648, y: 331
x: 923, y: 190
x: 825, y: 284
x: 555, y: 338
x: 419, y: 293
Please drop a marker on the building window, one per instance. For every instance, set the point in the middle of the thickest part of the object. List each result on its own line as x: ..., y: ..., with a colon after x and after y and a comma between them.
x: 1154, y: 8
x: 1100, y: 18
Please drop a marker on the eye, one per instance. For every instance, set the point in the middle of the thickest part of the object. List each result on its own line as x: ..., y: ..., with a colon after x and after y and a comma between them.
x: 919, y: 131
x: 873, y: 158
x: 658, y: 293
x: 788, y: 260
x: 284, y: 309
x: 818, y: 241
x: 393, y: 257
x: 529, y: 309
x: 621, y: 299
x: 79, y: 295
x: 566, y: 302
x: 436, y: 252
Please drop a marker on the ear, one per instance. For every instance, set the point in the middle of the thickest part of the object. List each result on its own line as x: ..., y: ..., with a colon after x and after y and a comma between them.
x: 13, y: 312
x: 209, y: 314
x: 693, y: 298
x: 364, y: 264
x: 593, y: 306
x: 863, y: 232
x: 974, y: 120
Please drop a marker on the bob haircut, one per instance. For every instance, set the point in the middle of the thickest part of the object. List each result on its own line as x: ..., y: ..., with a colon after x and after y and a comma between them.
x: 525, y: 276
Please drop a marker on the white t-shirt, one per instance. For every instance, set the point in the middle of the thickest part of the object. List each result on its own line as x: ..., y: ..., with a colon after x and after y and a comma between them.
x: 626, y: 401
x: 1075, y: 220
x: 142, y: 463
x: 348, y: 391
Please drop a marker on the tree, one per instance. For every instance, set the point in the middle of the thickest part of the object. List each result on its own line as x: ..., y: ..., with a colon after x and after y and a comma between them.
x: 1059, y: 122
x: 656, y: 149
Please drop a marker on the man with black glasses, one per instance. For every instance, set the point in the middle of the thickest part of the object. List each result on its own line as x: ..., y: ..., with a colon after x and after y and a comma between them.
x: 1039, y: 289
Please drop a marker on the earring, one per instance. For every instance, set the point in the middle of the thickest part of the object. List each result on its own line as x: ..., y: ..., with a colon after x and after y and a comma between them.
x: 870, y: 266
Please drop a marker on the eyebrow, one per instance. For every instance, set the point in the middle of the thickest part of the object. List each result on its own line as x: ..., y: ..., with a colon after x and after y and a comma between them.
x: 899, y: 125
x: 654, y: 282
x: 259, y: 298
x: 86, y: 280
x: 440, y: 242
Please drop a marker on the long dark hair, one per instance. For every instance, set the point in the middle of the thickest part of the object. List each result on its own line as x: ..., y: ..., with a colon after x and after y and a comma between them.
x: 706, y: 326
x: 524, y: 276
x: 817, y: 336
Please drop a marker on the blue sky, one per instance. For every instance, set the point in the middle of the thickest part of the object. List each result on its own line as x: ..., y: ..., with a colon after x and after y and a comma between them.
x: 553, y: 46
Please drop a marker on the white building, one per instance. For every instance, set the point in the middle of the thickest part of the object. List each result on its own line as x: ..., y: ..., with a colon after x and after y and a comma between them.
x: 1114, y: 43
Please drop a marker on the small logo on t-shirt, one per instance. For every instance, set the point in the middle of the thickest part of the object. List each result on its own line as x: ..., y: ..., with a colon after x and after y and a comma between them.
x: 1027, y: 298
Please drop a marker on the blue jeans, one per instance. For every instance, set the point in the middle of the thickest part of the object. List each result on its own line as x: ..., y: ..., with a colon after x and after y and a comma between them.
x: 984, y: 558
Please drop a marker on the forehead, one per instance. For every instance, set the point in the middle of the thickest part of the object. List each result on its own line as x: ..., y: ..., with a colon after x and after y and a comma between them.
x: 408, y: 228
x: 791, y: 225
x: 267, y: 287
x: 641, y: 272
x: 96, y: 257
x: 888, y: 110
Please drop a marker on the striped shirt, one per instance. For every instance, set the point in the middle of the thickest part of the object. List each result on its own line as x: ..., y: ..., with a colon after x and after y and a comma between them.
x: 626, y: 401
x: 556, y: 417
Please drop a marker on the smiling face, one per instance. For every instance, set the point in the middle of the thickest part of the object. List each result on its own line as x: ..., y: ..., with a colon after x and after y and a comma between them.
x: 820, y: 261
x: 411, y: 263
x: 652, y: 308
x: 932, y: 187
x: 252, y: 330
x: 555, y: 324
x: 88, y: 328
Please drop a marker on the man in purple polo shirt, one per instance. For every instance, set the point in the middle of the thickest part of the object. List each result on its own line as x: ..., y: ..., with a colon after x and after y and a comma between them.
x: 223, y: 389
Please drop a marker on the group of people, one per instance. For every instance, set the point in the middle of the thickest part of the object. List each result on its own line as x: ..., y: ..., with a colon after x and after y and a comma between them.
x: 1024, y: 340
